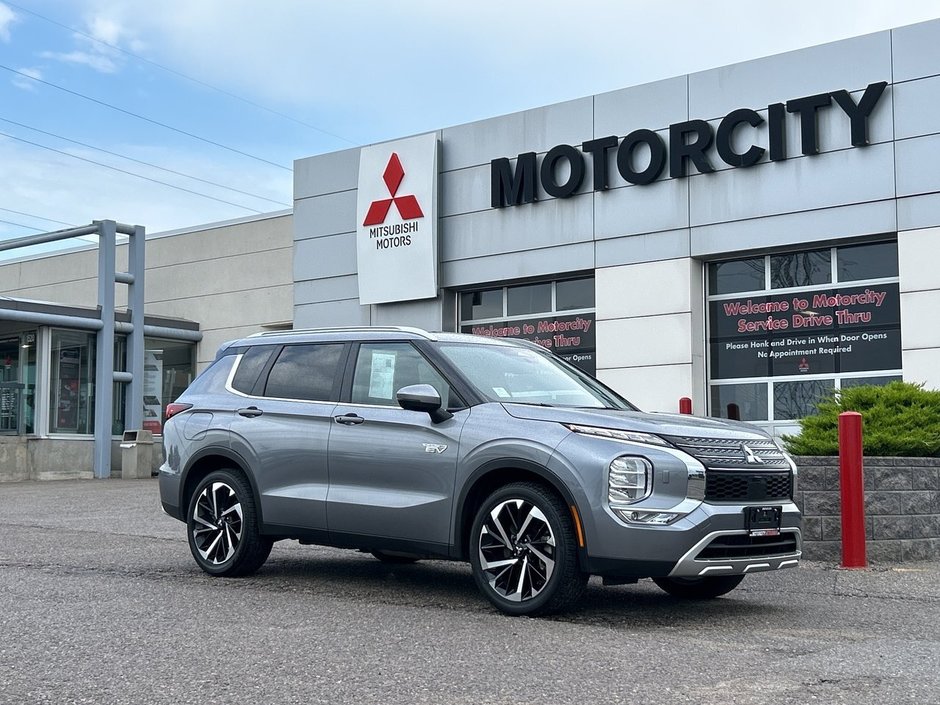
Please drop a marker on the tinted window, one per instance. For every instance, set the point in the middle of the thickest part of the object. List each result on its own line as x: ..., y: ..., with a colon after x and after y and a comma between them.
x: 750, y: 399
x: 475, y: 305
x: 252, y: 362
x: 532, y: 298
x: 384, y: 368
x: 794, y: 400
x: 739, y: 275
x: 305, y: 372
x: 800, y: 269
x: 574, y: 294
x: 868, y: 261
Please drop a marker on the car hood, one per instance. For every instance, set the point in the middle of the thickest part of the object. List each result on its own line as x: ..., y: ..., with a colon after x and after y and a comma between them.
x: 660, y: 424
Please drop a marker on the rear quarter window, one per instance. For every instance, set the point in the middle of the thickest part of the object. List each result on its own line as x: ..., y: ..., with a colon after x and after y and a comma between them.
x: 250, y: 366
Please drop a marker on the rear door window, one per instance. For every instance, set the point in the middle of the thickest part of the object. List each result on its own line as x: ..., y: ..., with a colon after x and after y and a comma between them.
x: 309, y: 372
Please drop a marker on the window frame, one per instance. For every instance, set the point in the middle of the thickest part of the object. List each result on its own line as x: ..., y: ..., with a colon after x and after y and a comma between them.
x: 768, y: 290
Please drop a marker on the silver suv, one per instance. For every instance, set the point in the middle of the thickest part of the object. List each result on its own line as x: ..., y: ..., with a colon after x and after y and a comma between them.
x: 414, y: 445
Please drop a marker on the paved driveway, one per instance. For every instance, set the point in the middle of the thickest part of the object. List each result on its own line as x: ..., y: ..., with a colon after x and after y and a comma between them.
x: 100, y: 602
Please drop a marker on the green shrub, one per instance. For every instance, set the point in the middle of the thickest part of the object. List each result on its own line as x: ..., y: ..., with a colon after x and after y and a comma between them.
x: 899, y: 418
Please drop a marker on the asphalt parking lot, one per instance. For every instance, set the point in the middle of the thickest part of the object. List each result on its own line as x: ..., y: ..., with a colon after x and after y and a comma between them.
x: 101, y: 602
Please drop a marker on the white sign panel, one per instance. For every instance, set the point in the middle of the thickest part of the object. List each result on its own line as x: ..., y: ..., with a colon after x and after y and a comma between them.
x: 396, y: 237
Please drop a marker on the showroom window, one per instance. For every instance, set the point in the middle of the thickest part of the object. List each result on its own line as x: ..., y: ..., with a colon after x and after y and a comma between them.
x: 169, y: 367
x: 558, y: 315
x: 72, y: 386
x: 787, y: 329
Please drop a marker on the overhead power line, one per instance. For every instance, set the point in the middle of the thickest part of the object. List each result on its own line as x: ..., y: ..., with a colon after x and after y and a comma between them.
x: 180, y: 74
x: 21, y: 225
x: 129, y: 173
x: 140, y: 161
x: 38, y: 217
x: 143, y: 117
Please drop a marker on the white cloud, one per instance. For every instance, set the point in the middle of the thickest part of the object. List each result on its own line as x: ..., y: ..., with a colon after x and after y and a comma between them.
x: 96, y: 60
x: 23, y: 82
x: 7, y: 18
x: 380, y: 69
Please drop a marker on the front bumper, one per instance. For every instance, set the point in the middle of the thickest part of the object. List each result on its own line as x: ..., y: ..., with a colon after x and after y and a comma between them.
x: 739, y: 557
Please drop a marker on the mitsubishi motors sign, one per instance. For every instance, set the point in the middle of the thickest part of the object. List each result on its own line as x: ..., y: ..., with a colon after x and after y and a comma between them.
x: 396, y: 237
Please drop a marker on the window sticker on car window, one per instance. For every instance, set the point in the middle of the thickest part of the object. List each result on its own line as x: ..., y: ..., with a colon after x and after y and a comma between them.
x: 382, y: 375
x: 501, y: 393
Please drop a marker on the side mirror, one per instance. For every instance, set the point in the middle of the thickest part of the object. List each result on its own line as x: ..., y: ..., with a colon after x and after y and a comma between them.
x: 423, y: 397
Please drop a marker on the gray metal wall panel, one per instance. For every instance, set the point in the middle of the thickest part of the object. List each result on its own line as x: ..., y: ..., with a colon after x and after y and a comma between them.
x: 465, y: 190
x: 794, y: 229
x: 915, y: 212
x: 917, y: 161
x: 331, y: 256
x: 331, y: 313
x: 850, y: 64
x: 421, y: 314
x: 330, y: 214
x: 650, y: 247
x: 651, y: 106
x: 535, y: 130
x: 804, y: 183
x: 663, y: 205
x: 550, y: 261
x: 328, y: 289
x: 917, y: 108
x: 531, y: 226
x: 916, y: 50
x: 326, y: 173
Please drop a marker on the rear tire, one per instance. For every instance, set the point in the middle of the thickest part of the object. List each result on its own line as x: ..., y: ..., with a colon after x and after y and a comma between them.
x: 222, y: 526
x: 704, y: 588
x: 524, y: 552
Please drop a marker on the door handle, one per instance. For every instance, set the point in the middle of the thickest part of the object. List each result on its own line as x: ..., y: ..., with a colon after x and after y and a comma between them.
x: 349, y: 419
x: 250, y: 412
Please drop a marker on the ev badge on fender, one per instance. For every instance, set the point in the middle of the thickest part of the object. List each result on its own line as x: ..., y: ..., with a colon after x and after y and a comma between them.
x: 434, y: 448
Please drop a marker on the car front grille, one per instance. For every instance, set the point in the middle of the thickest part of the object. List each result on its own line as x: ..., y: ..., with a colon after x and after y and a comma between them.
x: 731, y: 485
x: 744, y: 546
x: 732, y: 453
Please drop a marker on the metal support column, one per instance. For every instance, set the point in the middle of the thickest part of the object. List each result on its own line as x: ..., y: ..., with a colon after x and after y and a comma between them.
x: 134, y: 403
x: 104, y: 358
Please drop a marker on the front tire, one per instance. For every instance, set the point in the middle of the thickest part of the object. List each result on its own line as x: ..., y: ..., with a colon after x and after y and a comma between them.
x: 222, y: 526
x: 523, y: 551
x: 704, y: 588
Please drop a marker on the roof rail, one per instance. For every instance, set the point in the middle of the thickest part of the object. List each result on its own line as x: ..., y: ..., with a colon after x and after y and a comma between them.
x: 347, y: 329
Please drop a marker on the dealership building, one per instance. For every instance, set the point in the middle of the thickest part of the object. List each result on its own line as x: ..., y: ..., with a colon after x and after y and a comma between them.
x: 750, y: 236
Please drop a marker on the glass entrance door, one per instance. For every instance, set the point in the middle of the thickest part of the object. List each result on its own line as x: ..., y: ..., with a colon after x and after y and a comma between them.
x: 10, y: 386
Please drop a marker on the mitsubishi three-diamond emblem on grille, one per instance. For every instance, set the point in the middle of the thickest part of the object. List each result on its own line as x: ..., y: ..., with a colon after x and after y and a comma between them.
x: 750, y: 456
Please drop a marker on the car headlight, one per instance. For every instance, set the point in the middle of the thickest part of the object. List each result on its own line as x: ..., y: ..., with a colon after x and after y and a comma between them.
x: 629, y: 480
x: 617, y: 434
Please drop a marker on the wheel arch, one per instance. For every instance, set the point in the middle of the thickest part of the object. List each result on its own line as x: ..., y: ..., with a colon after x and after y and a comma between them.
x: 489, y: 477
x: 209, y: 460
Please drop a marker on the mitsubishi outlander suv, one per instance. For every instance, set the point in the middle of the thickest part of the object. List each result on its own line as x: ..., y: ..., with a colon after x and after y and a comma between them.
x: 412, y: 445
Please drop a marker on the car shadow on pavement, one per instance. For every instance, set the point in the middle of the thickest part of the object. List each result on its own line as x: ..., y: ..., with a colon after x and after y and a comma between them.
x: 449, y: 585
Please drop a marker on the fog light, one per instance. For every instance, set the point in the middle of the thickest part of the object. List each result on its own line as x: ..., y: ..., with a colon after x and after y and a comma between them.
x: 652, y: 518
x: 629, y: 480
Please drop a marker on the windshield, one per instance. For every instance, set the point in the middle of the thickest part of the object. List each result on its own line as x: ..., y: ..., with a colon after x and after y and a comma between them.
x: 522, y: 375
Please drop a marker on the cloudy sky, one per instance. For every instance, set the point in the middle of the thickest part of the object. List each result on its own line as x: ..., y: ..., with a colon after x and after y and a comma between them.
x: 270, y: 82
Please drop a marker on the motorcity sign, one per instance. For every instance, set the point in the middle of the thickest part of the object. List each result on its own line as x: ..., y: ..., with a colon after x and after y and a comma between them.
x: 396, y: 234
x: 845, y: 329
x: 563, y: 168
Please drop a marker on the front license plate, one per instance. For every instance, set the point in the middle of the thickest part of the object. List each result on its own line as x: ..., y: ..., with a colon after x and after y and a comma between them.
x: 762, y: 521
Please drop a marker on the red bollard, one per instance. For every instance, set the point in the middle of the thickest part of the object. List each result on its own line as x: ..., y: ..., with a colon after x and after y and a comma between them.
x: 685, y: 406
x: 852, y: 490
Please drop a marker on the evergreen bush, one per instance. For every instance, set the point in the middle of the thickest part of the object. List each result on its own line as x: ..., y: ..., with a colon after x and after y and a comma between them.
x: 899, y: 419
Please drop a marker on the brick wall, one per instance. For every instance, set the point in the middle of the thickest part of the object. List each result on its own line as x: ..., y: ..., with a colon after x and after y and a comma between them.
x: 902, y: 508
